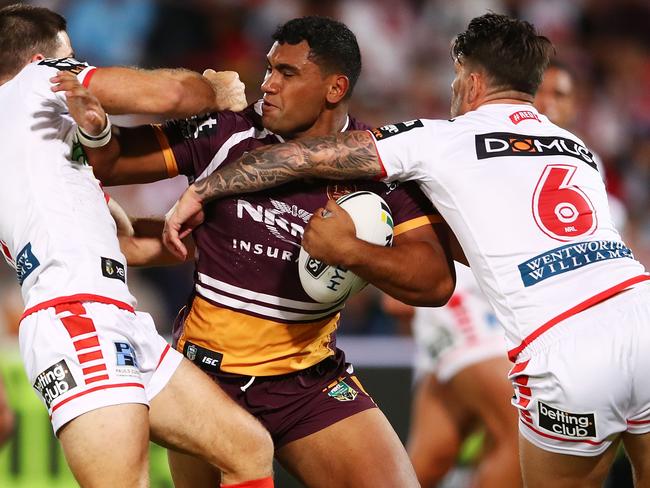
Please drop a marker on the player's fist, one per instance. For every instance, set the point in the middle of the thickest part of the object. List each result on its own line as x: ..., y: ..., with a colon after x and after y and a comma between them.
x: 230, y: 92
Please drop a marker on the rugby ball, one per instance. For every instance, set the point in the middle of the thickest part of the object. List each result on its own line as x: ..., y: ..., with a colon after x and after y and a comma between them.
x: 373, y: 223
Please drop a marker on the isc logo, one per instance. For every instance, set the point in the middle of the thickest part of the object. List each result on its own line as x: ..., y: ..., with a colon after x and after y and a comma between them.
x: 210, y: 361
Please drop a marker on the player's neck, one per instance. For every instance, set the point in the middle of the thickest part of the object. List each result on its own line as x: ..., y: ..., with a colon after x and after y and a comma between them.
x: 510, y: 97
x: 330, y: 121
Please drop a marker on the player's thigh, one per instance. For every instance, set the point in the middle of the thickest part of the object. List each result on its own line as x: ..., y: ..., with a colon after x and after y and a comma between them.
x: 193, y: 415
x: 437, y: 426
x: 359, y: 451
x: 191, y: 472
x: 123, y: 461
x: 541, y: 468
x: 484, y: 389
x: 637, y: 447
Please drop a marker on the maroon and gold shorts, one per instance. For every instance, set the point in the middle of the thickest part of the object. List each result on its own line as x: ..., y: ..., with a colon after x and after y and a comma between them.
x: 295, y: 405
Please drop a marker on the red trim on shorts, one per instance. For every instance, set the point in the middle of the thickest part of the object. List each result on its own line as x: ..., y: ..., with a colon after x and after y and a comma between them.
x: 88, y: 77
x: 638, y: 422
x: 522, y: 380
x: 260, y: 483
x: 525, y: 390
x: 523, y: 402
x: 93, y: 369
x: 77, y: 325
x: 544, y: 434
x: 384, y: 173
x: 86, y: 343
x: 590, y: 302
x: 519, y: 367
x: 162, y: 356
x: 82, y: 297
x: 92, y: 390
x: 90, y: 356
x: 95, y: 379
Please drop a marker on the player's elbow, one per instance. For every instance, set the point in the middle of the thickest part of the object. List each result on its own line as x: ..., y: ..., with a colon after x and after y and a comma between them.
x: 171, y: 103
x: 433, y: 295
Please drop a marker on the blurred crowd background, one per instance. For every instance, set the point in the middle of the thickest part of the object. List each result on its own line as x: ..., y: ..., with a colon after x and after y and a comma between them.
x: 407, y: 73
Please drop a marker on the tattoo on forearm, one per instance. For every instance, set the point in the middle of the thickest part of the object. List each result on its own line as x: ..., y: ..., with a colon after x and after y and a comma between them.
x: 348, y: 155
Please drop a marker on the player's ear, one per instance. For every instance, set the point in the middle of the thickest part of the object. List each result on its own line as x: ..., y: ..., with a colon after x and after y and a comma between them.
x: 475, y: 88
x: 37, y: 57
x: 338, y: 88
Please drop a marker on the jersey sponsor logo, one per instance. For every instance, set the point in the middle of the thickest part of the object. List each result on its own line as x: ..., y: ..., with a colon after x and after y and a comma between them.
x: 113, y: 269
x: 26, y: 263
x: 343, y: 392
x: 389, y: 130
x: 569, y: 258
x: 55, y: 381
x: 577, y: 425
x: 285, y: 222
x: 65, y: 64
x: 523, y: 115
x: 498, y: 144
x: 207, y: 360
x: 198, y: 126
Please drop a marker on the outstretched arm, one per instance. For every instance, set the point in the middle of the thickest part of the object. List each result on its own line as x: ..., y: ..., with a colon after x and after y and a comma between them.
x: 171, y: 93
x: 349, y: 155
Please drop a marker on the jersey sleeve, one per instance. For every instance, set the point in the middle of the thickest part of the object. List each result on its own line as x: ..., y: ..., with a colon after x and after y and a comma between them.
x: 190, y: 145
x: 402, y: 147
x: 83, y: 71
x: 410, y: 208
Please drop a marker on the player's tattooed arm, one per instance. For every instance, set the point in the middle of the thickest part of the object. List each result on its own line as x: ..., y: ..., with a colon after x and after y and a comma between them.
x: 349, y: 155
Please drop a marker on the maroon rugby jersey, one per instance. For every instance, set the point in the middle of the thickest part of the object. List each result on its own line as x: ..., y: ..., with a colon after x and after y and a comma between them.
x: 249, y: 309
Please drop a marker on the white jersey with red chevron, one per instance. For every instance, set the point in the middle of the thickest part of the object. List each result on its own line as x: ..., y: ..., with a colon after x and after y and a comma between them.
x: 55, y: 227
x: 528, y: 205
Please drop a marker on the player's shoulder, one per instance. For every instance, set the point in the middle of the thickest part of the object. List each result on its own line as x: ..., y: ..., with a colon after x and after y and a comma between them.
x: 221, y: 124
x: 62, y: 64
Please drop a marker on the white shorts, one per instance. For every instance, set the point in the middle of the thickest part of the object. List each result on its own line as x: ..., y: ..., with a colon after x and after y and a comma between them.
x: 83, y: 356
x: 585, y: 381
x: 462, y: 333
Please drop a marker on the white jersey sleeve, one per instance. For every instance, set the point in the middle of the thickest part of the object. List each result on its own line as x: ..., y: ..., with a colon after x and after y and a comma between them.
x: 527, y: 204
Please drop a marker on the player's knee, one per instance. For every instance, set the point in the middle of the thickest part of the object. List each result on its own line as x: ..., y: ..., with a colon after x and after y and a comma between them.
x: 431, y: 466
x: 253, y: 452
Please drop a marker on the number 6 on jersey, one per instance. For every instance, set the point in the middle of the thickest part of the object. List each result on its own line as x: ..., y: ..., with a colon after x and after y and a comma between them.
x: 562, y: 211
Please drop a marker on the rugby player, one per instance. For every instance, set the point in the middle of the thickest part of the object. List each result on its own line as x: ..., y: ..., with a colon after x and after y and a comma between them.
x: 249, y: 324
x: 460, y: 386
x: 107, y: 379
x: 529, y: 208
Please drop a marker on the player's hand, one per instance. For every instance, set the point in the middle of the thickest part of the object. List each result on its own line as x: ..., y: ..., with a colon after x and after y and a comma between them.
x: 229, y: 90
x: 185, y: 216
x: 84, y: 107
x: 330, y: 235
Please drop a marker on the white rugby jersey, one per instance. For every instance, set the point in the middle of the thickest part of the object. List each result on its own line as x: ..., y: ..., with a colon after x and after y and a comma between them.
x: 529, y: 208
x: 55, y: 226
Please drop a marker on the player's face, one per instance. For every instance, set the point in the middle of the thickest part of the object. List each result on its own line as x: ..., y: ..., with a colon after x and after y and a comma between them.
x: 555, y: 97
x: 459, y: 89
x: 294, y: 89
x: 65, y: 48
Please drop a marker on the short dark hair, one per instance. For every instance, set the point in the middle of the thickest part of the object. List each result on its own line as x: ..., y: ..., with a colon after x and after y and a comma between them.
x: 26, y: 30
x: 332, y: 46
x: 510, y: 50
